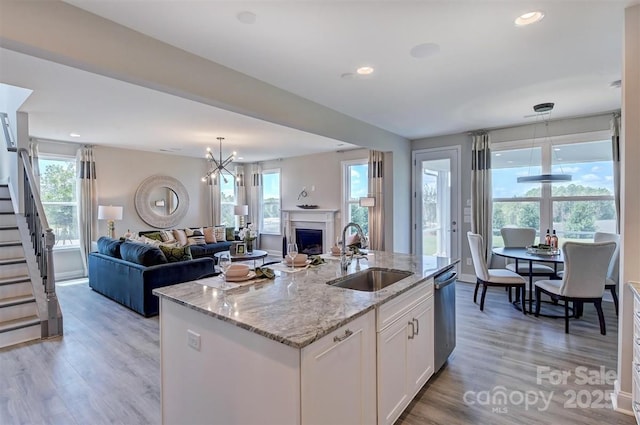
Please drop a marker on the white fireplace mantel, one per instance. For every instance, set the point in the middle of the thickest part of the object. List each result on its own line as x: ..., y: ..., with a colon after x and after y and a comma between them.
x: 322, y: 219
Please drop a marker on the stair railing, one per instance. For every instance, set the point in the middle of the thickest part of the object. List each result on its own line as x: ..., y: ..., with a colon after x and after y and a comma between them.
x: 43, y: 240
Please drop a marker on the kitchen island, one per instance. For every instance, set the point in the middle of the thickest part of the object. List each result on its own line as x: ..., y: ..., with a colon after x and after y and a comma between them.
x: 296, y: 350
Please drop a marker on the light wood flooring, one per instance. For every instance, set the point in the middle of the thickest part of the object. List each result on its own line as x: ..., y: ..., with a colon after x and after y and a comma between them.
x: 106, y: 367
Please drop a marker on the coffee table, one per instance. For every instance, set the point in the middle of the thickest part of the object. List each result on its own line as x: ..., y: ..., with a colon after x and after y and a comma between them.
x: 254, y: 255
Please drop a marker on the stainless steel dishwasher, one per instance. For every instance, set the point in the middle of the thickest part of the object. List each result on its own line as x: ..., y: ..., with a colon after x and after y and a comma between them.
x: 444, y: 315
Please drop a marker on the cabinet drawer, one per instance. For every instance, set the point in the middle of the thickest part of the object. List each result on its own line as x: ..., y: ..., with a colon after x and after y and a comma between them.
x: 392, y: 310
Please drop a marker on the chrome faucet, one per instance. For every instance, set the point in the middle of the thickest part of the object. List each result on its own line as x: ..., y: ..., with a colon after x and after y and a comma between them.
x: 344, y: 261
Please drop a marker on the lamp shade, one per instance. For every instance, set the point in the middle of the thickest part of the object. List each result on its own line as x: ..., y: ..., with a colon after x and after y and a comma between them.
x: 241, y: 210
x: 109, y: 212
x: 367, y: 202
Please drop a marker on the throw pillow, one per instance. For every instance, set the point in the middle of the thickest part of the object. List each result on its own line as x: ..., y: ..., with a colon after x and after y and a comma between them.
x: 180, y: 236
x: 230, y: 234
x: 142, y: 254
x: 167, y: 236
x: 153, y: 235
x: 209, y: 235
x: 110, y: 247
x: 194, y: 236
x: 220, y: 233
x: 175, y: 254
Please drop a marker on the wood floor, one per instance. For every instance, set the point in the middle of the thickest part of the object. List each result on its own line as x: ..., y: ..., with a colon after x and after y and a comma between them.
x: 106, y: 368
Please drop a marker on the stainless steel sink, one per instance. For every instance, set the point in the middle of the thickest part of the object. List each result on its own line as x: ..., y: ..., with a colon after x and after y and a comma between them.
x: 370, y: 280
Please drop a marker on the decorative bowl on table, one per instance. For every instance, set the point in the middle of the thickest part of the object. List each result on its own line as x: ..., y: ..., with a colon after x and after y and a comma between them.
x: 542, y: 249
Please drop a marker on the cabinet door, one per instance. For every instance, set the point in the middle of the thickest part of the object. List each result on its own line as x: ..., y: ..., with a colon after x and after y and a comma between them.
x: 393, y: 363
x: 338, y: 375
x: 421, y: 348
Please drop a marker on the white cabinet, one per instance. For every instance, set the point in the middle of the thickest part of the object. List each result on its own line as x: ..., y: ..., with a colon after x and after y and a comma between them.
x: 405, y: 351
x: 338, y: 377
x: 635, y: 367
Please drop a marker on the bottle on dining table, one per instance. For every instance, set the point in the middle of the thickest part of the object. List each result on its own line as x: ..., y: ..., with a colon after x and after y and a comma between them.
x: 554, y: 240
x: 547, y: 238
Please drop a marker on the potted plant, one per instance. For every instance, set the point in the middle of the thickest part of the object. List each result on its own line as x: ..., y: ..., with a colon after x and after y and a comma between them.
x: 248, y: 235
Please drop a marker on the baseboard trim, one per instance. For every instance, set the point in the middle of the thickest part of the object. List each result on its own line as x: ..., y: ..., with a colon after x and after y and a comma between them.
x: 621, y: 401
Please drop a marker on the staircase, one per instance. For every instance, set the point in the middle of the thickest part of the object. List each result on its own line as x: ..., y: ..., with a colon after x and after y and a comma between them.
x: 19, y: 319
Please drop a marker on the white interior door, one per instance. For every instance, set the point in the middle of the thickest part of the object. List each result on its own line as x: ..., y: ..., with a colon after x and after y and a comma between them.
x: 436, y: 216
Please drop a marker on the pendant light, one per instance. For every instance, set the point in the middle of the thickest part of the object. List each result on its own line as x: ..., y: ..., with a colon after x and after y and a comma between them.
x: 219, y: 166
x: 540, y: 109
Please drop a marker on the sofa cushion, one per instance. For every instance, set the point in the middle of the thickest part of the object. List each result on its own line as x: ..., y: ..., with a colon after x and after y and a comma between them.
x: 142, y: 254
x: 209, y: 235
x: 180, y: 236
x: 154, y: 235
x: 109, y: 246
x: 208, y: 250
x: 195, y: 236
x: 175, y: 254
x: 220, y: 233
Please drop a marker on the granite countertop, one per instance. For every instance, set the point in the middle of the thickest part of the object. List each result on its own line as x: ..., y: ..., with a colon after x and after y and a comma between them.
x: 299, y: 308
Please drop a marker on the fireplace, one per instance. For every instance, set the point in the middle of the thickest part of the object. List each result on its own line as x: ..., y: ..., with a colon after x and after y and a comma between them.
x: 309, y: 241
x: 322, y: 221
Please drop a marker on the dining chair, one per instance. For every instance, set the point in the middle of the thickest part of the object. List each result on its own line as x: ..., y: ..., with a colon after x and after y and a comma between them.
x: 585, y: 273
x: 492, y: 277
x: 521, y: 237
x: 614, y: 266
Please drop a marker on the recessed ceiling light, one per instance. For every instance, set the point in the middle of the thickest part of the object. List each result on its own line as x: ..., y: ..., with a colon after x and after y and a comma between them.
x: 364, y: 70
x: 529, y: 18
x: 556, y: 149
x: 424, y: 50
x: 74, y: 135
x: 498, y: 154
x: 246, y: 17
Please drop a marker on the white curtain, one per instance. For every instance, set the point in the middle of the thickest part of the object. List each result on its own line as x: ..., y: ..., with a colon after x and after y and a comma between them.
x: 87, y: 200
x: 615, y: 147
x: 34, y: 153
x: 254, y: 191
x: 481, y: 196
x: 376, y: 190
x: 214, y: 192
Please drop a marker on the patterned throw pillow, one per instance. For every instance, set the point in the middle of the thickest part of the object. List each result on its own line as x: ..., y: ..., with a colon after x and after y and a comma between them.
x: 181, y: 236
x: 220, y: 233
x: 153, y: 235
x: 175, y: 254
x: 209, y: 235
x: 194, y: 236
x: 167, y: 236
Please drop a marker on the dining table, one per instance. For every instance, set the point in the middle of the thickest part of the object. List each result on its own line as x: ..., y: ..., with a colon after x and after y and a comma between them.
x: 523, y: 254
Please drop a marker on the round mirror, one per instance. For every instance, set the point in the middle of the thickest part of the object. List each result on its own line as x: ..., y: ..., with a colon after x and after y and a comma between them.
x: 164, y: 201
x: 161, y: 201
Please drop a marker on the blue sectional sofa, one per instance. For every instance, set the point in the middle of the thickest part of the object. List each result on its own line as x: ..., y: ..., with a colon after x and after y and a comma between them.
x: 128, y: 272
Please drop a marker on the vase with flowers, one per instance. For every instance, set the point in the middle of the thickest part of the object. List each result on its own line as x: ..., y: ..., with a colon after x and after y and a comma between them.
x: 248, y: 235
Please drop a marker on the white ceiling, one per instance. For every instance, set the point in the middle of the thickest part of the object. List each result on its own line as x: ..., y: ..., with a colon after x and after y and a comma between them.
x: 487, y: 72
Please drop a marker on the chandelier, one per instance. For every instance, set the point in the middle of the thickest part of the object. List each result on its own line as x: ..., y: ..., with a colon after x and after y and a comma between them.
x: 219, y: 166
x: 540, y: 110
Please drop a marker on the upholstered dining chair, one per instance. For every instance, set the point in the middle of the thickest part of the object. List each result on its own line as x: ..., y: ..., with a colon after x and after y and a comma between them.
x: 491, y: 277
x: 614, y: 266
x: 521, y: 237
x: 585, y: 273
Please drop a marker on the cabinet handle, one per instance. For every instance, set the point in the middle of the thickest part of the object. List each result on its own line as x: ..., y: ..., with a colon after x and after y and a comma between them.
x: 346, y: 335
x: 413, y: 330
x: 417, y: 326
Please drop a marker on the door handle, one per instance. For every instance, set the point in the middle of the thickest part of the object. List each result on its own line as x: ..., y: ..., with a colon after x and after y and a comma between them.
x: 413, y: 330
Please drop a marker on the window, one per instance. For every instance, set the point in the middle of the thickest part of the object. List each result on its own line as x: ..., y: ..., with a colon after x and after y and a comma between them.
x: 355, y: 175
x: 270, y: 216
x: 227, y: 200
x: 575, y: 209
x: 59, y: 199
